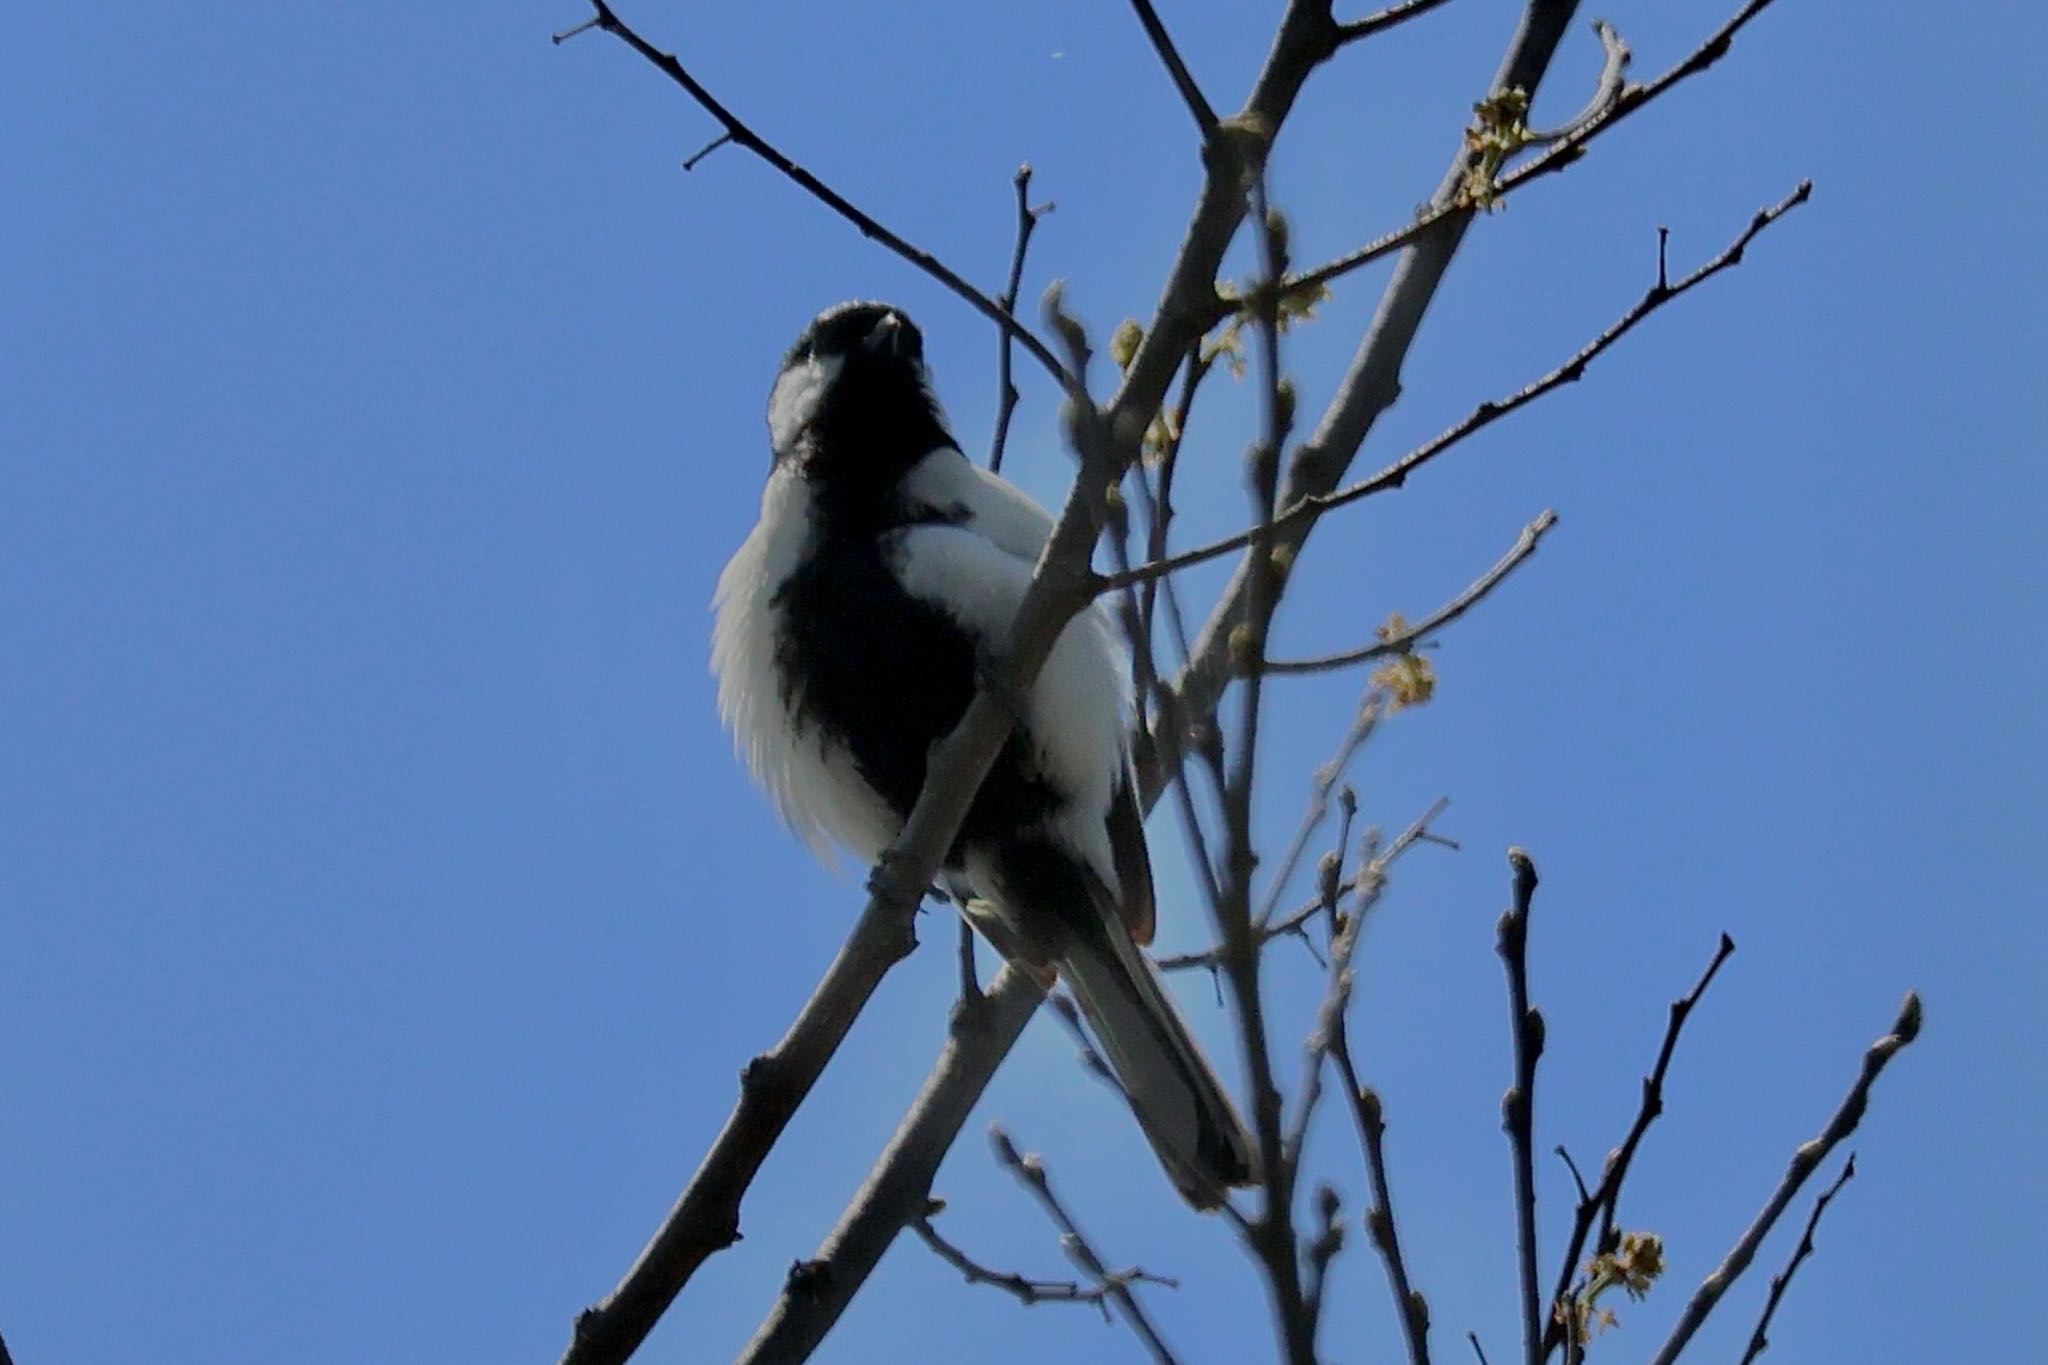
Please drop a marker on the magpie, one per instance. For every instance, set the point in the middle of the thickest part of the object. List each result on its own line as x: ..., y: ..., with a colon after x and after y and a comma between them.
x: 853, y: 627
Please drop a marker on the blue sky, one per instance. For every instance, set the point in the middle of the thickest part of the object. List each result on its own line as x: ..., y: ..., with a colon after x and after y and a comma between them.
x: 383, y: 916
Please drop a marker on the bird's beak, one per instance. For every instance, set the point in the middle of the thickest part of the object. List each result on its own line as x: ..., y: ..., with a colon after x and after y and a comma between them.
x: 892, y: 339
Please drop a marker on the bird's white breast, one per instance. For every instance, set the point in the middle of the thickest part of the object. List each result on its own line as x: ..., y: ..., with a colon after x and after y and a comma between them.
x: 812, y: 781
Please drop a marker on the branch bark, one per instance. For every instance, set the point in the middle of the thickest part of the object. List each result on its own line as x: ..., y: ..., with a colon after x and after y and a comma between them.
x: 1804, y: 1162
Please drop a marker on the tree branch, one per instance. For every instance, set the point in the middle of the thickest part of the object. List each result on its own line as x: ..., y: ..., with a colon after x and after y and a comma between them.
x: 1759, y: 1340
x: 1561, y: 151
x: 1031, y: 1293
x: 1385, y: 19
x: 1404, y: 641
x: 1030, y: 1172
x: 1518, y: 1106
x: 805, y: 1312
x: 1027, y: 222
x: 1804, y: 1161
x: 1604, y: 1200
x: 1183, y: 80
x: 744, y: 136
x: 1307, y: 509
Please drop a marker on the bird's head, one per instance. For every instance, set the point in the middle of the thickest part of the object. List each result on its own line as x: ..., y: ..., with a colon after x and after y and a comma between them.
x: 854, y: 395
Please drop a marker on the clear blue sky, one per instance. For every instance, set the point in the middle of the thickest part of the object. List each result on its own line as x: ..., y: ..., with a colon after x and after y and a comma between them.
x: 383, y: 916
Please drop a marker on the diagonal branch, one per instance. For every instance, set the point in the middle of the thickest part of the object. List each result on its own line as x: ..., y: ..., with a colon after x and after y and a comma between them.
x: 744, y: 136
x: 1759, y: 1340
x: 1804, y: 1162
x: 1030, y: 1172
x: 1405, y: 641
x: 1031, y: 1292
x: 1563, y: 147
x: 1183, y: 79
x: 897, y: 1188
x: 1305, y: 511
x: 1385, y: 19
x: 1603, y: 1201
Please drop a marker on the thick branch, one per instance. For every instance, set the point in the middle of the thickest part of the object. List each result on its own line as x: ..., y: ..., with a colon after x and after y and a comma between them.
x: 1404, y: 641
x: 975, y: 1046
x: 1804, y: 1162
x: 1759, y: 1340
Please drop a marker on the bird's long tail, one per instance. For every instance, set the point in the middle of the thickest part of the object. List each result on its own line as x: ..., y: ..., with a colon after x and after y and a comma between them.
x: 1179, y: 1102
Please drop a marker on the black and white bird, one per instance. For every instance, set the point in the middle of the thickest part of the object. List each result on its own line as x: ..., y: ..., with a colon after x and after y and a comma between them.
x: 852, y: 627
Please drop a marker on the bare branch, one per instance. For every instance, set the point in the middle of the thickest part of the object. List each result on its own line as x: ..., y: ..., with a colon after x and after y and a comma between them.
x: 1371, y: 707
x: 1759, y: 1340
x: 1518, y: 1106
x: 898, y: 1190
x: 1030, y: 1293
x: 1603, y: 1202
x: 1405, y: 641
x: 1366, y: 1109
x: 1027, y: 222
x: 1385, y: 19
x: 1804, y: 1161
x: 1605, y: 94
x: 1169, y: 56
x: 744, y: 136
x: 1306, y: 510
x: 1559, y: 153
x: 1477, y: 1349
x: 1030, y: 1171
x: 1272, y: 1232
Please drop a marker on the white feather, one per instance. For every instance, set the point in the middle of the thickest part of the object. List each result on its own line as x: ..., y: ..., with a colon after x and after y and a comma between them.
x: 996, y: 509
x: 1074, y: 709
x: 813, y: 783
x: 794, y: 401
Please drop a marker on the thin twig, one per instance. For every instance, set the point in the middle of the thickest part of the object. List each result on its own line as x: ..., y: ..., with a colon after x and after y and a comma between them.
x: 1405, y: 641
x: 1605, y: 1199
x: 1030, y: 1292
x: 1579, y: 1180
x: 1372, y: 706
x: 1169, y: 56
x: 1518, y: 1106
x: 1557, y: 155
x: 1027, y: 222
x: 1064, y: 1009
x: 1477, y: 1349
x: 1030, y: 1171
x: 744, y: 136
x: 970, y: 982
x: 691, y: 162
x: 1367, y: 1110
x: 1387, y: 18
x: 1313, y: 506
x: 1759, y: 1340
x: 1804, y: 1161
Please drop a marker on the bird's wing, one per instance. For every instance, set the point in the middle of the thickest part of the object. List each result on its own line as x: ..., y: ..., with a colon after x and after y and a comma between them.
x: 947, y: 484
x: 1074, y: 711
